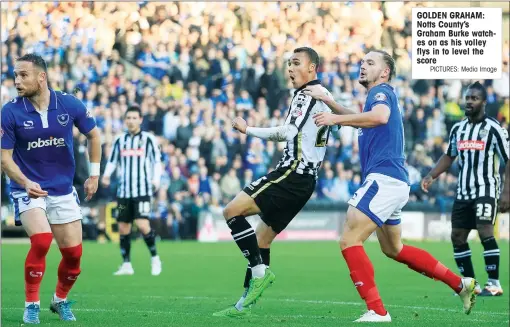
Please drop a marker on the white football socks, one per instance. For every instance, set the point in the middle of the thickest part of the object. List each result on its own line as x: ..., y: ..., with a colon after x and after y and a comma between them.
x: 258, y: 271
x: 57, y: 299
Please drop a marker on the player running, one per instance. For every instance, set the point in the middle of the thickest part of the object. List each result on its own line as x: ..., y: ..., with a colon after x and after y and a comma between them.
x: 136, y: 154
x: 377, y: 204
x: 37, y: 155
x: 475, y: 140
x: 282, y: 193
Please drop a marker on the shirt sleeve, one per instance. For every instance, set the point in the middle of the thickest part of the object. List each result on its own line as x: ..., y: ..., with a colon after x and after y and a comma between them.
x: 380, y: 96
x: 111, y: 165
x: 155, y: 151
x: 279, y: 133
x: 8, y: 129
x: 501, y: 143
x: 452, y: 143
x: 83, y: 118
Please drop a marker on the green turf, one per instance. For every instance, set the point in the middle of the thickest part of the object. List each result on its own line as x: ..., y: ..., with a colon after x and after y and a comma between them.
x: 312, y: 288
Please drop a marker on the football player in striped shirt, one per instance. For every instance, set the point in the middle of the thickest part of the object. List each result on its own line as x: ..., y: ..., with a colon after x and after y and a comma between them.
x: 478, y: 141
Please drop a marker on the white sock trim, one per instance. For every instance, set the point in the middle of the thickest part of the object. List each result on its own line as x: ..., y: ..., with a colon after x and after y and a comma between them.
x: 33, y: 302
x: 258, y: 271
x: 57, y: 299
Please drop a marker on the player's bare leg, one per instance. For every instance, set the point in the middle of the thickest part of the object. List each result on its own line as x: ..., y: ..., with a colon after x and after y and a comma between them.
x: 357, y: 228
x: 491, y: 256
x: 125, y: 249
x: 244, y: 235
x: 149, y: 236
x: 38, y: 229
x: 69, y: 240
x: 424, y: 263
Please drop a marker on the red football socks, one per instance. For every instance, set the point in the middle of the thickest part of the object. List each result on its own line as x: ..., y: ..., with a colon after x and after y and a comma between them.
x: 68, y: 270
x: 423, y: 262
x: 362, y: 274
x: 35, y: 264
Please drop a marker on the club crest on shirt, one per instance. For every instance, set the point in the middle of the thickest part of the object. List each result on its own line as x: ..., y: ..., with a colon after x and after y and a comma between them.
x: 28, y: 124
x: 380, y: 96
x: 63, y: 119
x: 483, y: 133
x: 296, y: 112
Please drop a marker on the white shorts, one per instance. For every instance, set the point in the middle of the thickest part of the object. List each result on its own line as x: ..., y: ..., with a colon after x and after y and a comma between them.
x: 381, y: 198
x: 60, y: 209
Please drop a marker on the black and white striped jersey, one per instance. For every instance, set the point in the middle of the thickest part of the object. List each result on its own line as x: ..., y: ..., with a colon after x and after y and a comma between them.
x: 138, y: 159
x: 305, y: 153
x: 480, y: 147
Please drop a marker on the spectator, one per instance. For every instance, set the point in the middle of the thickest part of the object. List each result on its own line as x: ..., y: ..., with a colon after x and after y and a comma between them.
x: 191, y: 76
x: 230, y: 185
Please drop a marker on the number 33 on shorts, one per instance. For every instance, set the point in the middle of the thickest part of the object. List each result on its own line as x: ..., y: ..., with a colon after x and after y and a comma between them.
x: 485, y: 209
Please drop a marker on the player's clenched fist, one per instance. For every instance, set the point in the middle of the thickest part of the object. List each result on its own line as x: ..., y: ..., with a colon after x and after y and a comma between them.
x: 426, y: 182
x: 34, y: 190
x: 324, y: 119
x: 239, y: 124
x: 91, y: 186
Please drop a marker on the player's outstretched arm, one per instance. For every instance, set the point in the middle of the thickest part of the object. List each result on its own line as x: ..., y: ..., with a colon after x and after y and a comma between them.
x: 442, y: 165
x: 94, y: 147
x: 12, y: 170
x: 278, y: 134
x: 379, y: 115
x: 318, y: 92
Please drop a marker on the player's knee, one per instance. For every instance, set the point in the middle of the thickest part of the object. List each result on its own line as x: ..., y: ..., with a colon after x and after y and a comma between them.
x: 226, y: 212
x: 143, y: 226
x: 124, y: 228
x: 72, y: 255
x: 230, y: 211
x: 391, y: 251
x: 458, y: 238
x: 265, y: 235
x: 40, y: 244
x: 349, y: 240
x: 264, y: 240
x: 144, y: 229
x: 70, y: 265
x: 485, y: 231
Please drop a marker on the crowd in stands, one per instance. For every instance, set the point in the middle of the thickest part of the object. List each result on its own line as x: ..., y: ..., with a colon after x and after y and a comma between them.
x: 192, y: 67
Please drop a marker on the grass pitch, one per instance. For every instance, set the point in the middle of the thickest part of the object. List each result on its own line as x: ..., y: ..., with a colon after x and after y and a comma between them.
x: 312, y: 288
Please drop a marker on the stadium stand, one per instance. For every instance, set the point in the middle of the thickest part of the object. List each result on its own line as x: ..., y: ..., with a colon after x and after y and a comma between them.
x: 194, y: 66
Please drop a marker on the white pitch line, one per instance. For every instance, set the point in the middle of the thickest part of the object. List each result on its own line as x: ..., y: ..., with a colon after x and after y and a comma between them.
x: 338, y: 303
x: 300, y: 316
x: 207, y: 298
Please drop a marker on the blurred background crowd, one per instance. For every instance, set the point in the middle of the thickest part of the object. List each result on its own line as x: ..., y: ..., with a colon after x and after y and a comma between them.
x: 192, y: 67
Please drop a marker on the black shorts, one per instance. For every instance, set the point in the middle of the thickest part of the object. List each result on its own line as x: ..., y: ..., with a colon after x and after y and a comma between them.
x: 467, y: 214
x: 129, y: 209
x: 280, y: 195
